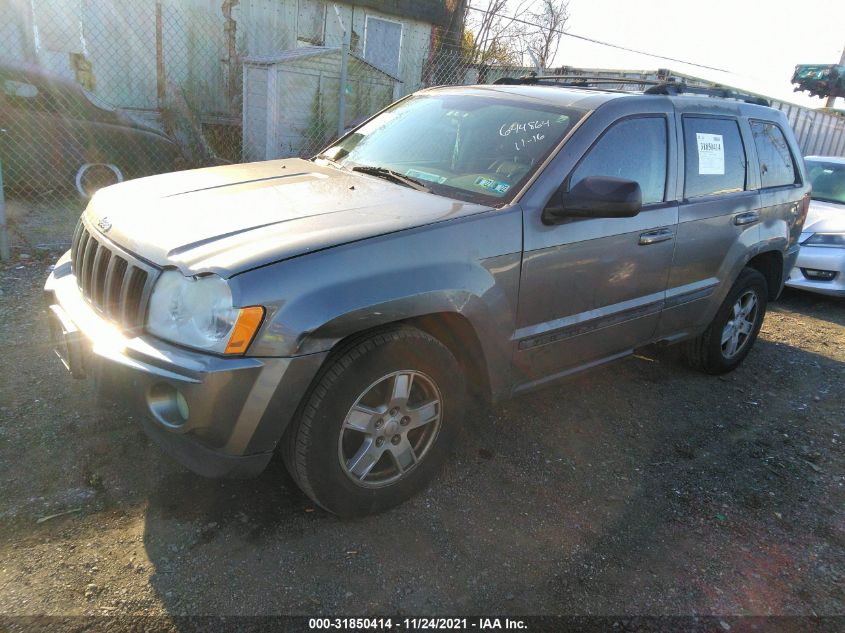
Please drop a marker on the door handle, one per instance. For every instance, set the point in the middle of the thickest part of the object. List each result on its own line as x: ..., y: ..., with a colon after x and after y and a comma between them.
x: 653, y: 237
x: 746, y: 218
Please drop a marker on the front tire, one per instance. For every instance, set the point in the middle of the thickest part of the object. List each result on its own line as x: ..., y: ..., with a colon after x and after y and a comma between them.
x: 729, y: 337
x: 378, y: 423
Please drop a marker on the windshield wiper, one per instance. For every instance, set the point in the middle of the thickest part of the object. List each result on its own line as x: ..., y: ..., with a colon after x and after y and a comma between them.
x: 395, y: 176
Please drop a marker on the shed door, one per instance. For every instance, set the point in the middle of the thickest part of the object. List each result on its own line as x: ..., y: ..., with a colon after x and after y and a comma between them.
x: 381, y: 44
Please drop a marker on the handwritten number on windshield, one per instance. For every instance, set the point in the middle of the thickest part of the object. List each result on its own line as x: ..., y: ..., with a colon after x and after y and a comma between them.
x: 522, y: 142
x: 518, y: 127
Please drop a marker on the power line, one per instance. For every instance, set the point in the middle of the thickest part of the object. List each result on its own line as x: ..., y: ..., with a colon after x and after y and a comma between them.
x: 594, y: 41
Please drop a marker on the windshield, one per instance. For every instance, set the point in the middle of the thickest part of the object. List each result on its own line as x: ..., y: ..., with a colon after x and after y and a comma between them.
x: 473, y: 148
x: 828, y: 180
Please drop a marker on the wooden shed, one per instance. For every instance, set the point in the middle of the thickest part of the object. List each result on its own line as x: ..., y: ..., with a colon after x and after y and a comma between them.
x: 291, y: 99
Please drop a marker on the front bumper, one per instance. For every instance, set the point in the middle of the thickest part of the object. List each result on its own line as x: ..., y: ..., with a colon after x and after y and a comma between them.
x: 819, y: 258
x: 237, y: 408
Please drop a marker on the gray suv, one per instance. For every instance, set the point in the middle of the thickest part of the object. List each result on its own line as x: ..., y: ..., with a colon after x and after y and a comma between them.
x: 465, y: 242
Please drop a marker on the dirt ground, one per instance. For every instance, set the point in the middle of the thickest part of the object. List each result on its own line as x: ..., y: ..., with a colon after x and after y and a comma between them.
x: 639, y: 488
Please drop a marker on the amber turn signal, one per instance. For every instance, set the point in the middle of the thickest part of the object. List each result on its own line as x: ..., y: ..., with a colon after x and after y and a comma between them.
x: 249, y: 320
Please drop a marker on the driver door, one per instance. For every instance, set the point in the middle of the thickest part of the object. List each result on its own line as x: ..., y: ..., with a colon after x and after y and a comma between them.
x: 592, y: 288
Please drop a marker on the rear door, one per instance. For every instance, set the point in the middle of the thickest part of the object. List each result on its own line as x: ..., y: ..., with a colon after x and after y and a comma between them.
x: 718, y: 219
x: 781, y: 190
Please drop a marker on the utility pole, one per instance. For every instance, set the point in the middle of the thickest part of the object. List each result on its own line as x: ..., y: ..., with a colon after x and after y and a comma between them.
x: 5, y: 254
x: 832, y: 100
x: 344, y: 63
x: 230, y: 30
x: 161, y: 80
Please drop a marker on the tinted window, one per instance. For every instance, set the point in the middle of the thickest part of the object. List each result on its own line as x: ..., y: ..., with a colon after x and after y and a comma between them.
x: 24, y: 95
x: 828, y: 179
x: 634, y: 149
x: 776, y: 165
x: 714, y: 157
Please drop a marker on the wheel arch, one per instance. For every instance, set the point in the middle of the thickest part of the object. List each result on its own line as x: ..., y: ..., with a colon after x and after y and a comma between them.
x: 770, y: 265
x: 453, y: 329
x: 457, y: 333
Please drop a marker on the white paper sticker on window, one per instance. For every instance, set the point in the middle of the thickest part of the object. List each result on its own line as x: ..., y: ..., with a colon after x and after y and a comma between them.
x: 711, y: 153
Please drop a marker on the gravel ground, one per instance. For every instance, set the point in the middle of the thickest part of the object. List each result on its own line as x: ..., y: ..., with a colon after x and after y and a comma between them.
x: 639, y: 488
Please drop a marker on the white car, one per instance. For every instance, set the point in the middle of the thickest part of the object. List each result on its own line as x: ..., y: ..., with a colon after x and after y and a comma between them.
x: 821, y: 262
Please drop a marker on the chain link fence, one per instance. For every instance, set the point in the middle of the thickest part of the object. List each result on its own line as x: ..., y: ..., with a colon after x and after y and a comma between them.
x: 94, y: 92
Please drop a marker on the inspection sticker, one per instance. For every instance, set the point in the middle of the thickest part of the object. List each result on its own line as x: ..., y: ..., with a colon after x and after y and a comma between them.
x: 424, y: 175
x: 493, y: 185
x: 711, y: 153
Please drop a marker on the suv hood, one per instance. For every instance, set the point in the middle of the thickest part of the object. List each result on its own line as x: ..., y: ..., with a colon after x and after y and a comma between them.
x: 236, y: 217
x: 824, y: 216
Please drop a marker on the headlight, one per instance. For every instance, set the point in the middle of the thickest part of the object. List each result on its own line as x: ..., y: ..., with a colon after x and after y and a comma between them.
x: 198, y: 312
x: 825, y: 239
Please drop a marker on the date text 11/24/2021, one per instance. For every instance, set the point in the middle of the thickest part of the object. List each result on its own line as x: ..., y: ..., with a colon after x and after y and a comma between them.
x: 416, y: 624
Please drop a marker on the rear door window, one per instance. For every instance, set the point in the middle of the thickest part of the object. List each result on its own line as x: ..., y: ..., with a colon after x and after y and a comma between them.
x: 614, y: 155
x: 777, y: 168
x: 714, y: 157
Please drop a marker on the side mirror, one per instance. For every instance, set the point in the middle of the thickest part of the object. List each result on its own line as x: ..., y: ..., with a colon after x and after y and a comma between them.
x: 596, y: 197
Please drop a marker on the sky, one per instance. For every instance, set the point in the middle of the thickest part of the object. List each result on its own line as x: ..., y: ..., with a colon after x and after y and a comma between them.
x: 758, y: 42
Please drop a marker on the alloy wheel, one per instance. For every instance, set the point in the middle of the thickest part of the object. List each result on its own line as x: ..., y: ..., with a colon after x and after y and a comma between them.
x: 390, y: 428
x: 740, y: 325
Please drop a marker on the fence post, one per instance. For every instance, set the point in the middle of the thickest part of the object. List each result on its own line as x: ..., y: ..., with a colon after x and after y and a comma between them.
x: 5, y: 255
x: 344, y: 63
x: 161, y: 81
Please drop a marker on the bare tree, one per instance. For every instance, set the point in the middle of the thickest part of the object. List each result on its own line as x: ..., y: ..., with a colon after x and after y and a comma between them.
x: 493, y: 35
x: 542, y: 39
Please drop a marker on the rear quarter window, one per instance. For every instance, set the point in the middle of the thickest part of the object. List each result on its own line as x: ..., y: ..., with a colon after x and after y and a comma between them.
x: 714, y: 157
x: 777, y: 166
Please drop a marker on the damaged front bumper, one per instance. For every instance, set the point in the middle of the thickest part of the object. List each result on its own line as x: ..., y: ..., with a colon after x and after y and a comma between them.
x: 217, y: 416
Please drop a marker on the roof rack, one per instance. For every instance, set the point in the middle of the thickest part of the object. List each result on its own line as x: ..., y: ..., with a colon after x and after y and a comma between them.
x: 655, y: 87
x: 677, y: 87
x: 581, y: 81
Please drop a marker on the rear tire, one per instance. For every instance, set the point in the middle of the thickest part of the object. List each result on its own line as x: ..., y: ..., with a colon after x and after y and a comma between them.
x: 378, y: 423
x: 91, y: 177
x: 729, y: 337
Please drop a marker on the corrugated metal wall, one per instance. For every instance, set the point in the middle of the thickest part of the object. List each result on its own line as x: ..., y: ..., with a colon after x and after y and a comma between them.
x: 818, y: 133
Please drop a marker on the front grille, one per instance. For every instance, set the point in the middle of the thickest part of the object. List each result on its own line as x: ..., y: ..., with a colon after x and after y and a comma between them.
x: 115, y: 284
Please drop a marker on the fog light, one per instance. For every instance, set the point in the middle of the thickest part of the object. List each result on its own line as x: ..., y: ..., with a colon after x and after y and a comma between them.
x: 818, y: 275
x: 168, y: 405
x: 182, y: 405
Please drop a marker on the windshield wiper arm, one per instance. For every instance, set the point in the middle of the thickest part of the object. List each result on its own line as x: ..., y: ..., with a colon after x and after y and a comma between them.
x: 395, y: 176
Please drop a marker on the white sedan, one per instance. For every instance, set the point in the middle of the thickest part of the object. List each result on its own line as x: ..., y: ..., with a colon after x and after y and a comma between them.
x: 821, y: 261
